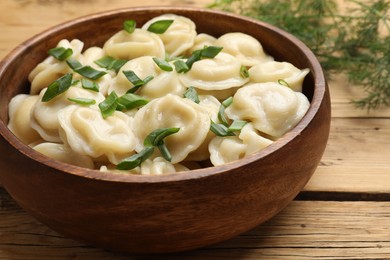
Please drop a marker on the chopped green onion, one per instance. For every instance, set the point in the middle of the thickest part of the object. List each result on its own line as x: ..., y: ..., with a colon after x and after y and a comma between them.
x: 165, y: 152
x: 83, y: 101
x: 60, y: 53
x: 156, y: 137
x: 195, y: 56
x: 129, y: 101
x: 136, y: 159
x: 181, y: 66
x: 221, y: 113
x: 85, y: 71
x: 129, y: 26
x: 75, y: 82
x: 191, y: 94
x: 160, y: 26
x: 162, y: 64
x: 237, y: 125
x: 210, y: 51
x: 220, y: 129
x: 133, y: 78
x: 57, y: 87
x: 90, y: 85
x: 109, y: 105
x: 110, y: 63
x: 283, y: 83
x: 244, y: 73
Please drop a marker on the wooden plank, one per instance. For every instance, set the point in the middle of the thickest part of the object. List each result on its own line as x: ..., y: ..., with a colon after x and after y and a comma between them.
x: 356, y: 158
x: 304, y: 230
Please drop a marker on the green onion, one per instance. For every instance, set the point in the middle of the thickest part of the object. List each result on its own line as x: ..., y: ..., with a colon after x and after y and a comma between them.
x: 90, y: 85
x: 85, y: 71
x: 109, y: 105
x: 195, y: 56
x: 165, y: 152
x: 156, y: 137
x: 83, y: 101
x: 244, y: 73
x: 60, y: 53
x: 162, y: 64
x: 129, y: 101
x: 110, y: 63
x: 221, y: 113
x: 181, y: 66
x: 57, y: 87
x: 210, y: 51
x: 191, y: 94
x: 136, y: 159
x: 129, y: 26
x: 133, y: 78
x: 283, y: 83
x: 75, y: 82
x: 237, y: 125
x: 160, y: 26
x: 220, y: 129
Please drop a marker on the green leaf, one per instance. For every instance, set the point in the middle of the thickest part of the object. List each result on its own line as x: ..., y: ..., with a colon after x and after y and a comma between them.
x: 221, y: 113
x: 192, y: 95
x: 156, y: 137
x: 237, y: 125
x: 160, y: 26
x: 136, y: 159
x: 244, y: 73
x: 165, y: 152
x: 181, y: 66
x: 57, y: 87
x: 85, y: 71
x: 110, y: 63
x: 195, y: 56
x: 133, y: 78
x: 129, y: 26
x: 109, y: 105
x: 220, y: 130
x: 129, y: 101
x: 60, y: 53
x: 162, y: 64
x: 210, y: 51
x: 90, y: 85
x: 283, y: 83
x: 83, y: 101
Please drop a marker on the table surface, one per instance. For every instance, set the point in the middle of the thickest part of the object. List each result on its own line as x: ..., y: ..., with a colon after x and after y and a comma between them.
x: 342, y: 213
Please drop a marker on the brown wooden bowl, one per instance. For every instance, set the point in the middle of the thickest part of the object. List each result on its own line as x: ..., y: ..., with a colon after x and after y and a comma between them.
x: 174, y: 212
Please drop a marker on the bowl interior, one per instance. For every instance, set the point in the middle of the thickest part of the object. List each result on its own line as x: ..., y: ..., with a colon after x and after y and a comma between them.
x: 94, y: 30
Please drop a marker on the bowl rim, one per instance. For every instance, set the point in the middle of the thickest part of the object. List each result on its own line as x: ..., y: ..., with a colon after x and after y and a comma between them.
x: 319, y: 94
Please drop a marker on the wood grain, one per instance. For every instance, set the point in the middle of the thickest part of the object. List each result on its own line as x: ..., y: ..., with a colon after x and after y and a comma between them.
x: 304, y: 230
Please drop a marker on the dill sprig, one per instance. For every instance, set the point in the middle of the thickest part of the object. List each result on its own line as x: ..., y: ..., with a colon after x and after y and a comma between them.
x: 355, y: 41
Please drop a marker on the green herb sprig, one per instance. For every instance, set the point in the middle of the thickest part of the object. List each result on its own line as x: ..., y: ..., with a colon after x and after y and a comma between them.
x: 355, y: 41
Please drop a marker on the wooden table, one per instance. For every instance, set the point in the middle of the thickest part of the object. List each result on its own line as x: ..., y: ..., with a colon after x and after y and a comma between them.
x: 343, y: 212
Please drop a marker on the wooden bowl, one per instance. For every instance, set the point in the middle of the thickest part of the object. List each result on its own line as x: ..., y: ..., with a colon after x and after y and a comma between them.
x: 174, y: 212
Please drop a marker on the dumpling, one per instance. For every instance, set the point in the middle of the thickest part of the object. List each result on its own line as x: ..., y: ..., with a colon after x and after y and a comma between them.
x: 174, y: 111
x: 163, y: 84
x: 220, y: 72
x: 143, y: 67
x: 272, y: 71
x: 247, y: 49
x: 44, y: 114
x: 252, y: 139
x: 88, y: 133
x: 124, y: 45
x: 64, y: 154
x: 19, y: 123
x: 159, y: 165
x: 202, y: 40
x: 51, y: 69
x: 272, y: 108
x: 226, y: 149
x: 211, y: 104
x: 180, y: 35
